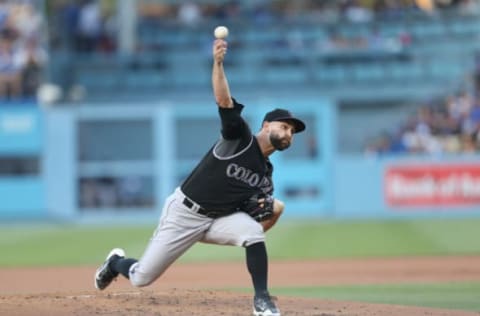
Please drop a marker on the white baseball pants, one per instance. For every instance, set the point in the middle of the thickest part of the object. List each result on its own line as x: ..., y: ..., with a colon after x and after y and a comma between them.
x: 180, y: 227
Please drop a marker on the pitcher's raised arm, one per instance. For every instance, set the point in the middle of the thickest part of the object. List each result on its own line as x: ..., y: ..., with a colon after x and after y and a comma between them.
x: 221, y: 90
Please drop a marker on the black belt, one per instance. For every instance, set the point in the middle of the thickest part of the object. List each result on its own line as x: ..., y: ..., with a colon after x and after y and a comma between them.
x: 212, y: 214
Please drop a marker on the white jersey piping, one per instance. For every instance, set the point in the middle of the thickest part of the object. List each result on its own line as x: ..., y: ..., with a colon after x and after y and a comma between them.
x: 232, y: 156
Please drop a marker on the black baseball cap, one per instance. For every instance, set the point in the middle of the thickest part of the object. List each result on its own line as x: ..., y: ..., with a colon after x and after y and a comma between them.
x: 284, y: 116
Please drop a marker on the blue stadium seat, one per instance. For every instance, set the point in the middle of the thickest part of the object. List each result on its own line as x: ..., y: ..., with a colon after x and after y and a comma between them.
x: 98, y: 81
x: 265, y: 55
x: 138, y: 80
x: 445, y: 69
x: 243, y: 76
x: 465, y: 27
x: 368, y: 72
x: 404, y: 72
x: 427, y: 29
x: 289, y: 74
x: 331, y: 74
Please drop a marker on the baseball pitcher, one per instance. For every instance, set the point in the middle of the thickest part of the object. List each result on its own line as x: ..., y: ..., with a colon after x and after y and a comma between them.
x: 226, y: 200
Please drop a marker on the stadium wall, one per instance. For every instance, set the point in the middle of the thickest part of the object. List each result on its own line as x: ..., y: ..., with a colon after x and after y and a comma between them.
x: 400, y: 187
x: 158, y: 144
x: 22, y: 185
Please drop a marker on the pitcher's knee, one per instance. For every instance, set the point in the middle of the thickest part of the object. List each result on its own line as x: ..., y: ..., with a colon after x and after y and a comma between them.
x: 140, y: 282
x: 139, y: 278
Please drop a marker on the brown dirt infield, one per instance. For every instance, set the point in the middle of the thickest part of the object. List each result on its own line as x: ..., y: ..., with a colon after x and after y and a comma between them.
x: 188, y: 289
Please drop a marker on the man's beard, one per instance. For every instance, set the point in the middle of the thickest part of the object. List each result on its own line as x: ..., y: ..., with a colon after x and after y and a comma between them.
x: 278, y: 142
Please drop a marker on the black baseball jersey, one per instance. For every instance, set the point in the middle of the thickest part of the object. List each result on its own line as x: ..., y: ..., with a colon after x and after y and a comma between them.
x: 233, y: 170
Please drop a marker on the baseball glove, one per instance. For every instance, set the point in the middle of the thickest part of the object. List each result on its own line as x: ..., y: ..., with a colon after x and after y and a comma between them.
x: 259, y: 207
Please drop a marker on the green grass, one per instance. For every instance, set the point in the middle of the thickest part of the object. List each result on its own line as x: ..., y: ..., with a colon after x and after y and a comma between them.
x: 377, y: 238
x: 49, y: 244
x: 350, y: 239
x: 462, y: 296
x: 60, y: 245
x: 65, y: 245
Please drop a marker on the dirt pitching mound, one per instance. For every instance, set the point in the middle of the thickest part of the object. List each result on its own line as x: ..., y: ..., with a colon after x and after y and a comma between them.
x: 194, y: 289
x: 183, y: 302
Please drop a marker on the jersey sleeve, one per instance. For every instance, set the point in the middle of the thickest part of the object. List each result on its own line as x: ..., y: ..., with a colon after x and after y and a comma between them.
x: 233, y: 125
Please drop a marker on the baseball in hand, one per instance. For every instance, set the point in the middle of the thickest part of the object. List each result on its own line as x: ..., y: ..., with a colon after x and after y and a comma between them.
x: 221, y: 32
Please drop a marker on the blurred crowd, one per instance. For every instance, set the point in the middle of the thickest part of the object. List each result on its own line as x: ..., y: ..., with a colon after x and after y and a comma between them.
x: 447, y: 126
x: 83, y: 26
x: 92, y: 26
x: 193, y: 12
x: 329, y: 12
x: 22, y: 55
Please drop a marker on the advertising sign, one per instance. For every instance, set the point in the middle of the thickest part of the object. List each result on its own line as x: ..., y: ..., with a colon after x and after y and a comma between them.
x: 432, y: 185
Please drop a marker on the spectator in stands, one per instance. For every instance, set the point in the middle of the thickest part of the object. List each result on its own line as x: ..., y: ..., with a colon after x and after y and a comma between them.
x: 261, y: 14
x: 21, y: 55
x: 476, y: 73
x: 32, y: 60
x: 420, y: 139
x: 471, y: 123
x: 83, y: 26
x: 449, y: 127
x: 10, y: 69
x: 89, y: 26
x: 26, y: 20
x: 189, y: 14
x: 475, y: 114
x: 107, y: 42
x: 443, y: 123
x: 469, y: 7
x: 65, y: 24
x: 355, y: 12
x: 229, y: 10
x: 454, y: 111
x: 468, y: 143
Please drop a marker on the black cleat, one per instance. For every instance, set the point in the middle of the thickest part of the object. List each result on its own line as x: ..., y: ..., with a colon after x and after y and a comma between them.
x: 264, y: 306
x: 104, y: 275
